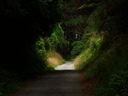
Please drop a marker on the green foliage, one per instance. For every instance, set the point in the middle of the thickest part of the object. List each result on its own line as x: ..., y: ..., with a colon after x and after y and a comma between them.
x: 75, y: 21
x: 78, y: 47
x: 89, y: 54
x: 117, y: 85
x: 40, y: 47
x: 117, y: 75
x: 23, y: 23
x: 88, y: 5
x: 47, y: 44
x: 54, y: 41
x: 92, y: 51
x: 9, y: 82
x: 48, y: 69
x: 57, y: 38
x: 60, y: 35
x: 109, y: 61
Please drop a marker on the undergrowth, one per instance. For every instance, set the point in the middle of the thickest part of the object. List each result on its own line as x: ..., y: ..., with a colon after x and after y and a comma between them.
x: 41, y: 61
x: 89, y: 54
x: 106, y: 58
x: 9, y: 82
x: 54, y: 59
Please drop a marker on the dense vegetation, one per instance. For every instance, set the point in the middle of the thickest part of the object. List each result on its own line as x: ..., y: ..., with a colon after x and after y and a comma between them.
x: 94, y: 32
x: 27, y: 31
x: 104, y: 48
x: 73, y: 24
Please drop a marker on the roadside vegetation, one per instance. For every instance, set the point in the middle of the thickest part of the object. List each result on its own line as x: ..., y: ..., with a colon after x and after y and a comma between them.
x: 54, y: 59
x: 30, y: 31
x: 35, y: 34
x: 104, y: 49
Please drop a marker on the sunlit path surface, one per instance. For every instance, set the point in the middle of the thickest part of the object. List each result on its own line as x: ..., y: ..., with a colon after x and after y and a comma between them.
x: 67, y: 66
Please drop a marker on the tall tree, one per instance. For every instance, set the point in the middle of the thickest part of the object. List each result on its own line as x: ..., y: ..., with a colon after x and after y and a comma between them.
x: 22, y: 23
x: 76, y: 13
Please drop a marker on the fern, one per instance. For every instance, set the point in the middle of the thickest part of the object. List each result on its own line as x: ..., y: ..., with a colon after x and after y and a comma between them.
x: 88, y: 5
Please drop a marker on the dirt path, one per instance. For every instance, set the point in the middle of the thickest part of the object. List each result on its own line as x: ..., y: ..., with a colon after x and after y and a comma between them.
x: 57, y: 83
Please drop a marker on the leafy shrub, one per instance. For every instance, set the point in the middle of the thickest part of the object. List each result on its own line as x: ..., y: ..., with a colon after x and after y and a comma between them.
x: 27, y: 18
x: 117, y: 85
x: 40, y: 47
x: 47, y: 44
x: 90, y: 51
x: 108, y: 62
x: 54, y: 41
x: 22, y: 24
x: 57, y: 38
x: 78, y: 47
x: 117, y: 75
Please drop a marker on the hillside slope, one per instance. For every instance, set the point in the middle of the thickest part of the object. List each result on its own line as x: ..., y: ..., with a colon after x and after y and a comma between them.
x: 105, y: 56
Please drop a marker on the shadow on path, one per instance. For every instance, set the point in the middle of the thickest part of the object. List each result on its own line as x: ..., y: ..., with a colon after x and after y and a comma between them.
x: 57, y: 83
x: 64, y: 81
